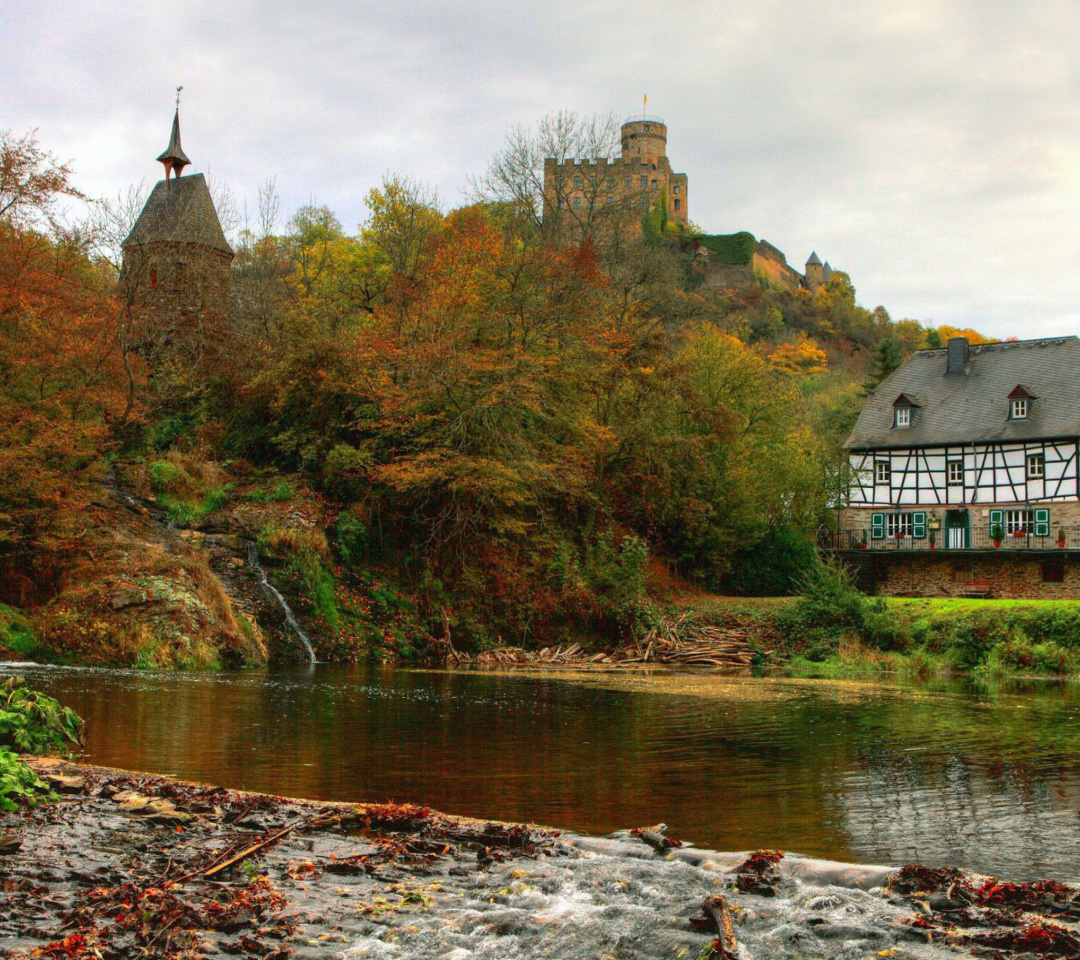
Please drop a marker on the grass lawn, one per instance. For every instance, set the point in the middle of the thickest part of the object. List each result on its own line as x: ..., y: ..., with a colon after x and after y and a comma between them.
x: 930, y: 606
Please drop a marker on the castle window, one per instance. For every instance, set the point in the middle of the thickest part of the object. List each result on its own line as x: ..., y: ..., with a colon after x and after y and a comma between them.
x: 627, y: 182
x: 644, y: 180
x: 956, y: 473
x: 646, y: 128
x: 577, y: 202
x: 676, y: 189
x: 577, y: 181
x: 902, y: 416
x: 1036, y: 466
x: 882, y: 471
x: 676, y: 204
x: 654, y: 184
x: 1020, y: 408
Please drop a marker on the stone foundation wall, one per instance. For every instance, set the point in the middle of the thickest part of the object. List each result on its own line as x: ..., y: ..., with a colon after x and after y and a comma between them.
x: 1010, y: 577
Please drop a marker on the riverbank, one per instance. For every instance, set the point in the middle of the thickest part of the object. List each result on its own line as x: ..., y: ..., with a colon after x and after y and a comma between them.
x: 915, y: 636
x: 129, y: 864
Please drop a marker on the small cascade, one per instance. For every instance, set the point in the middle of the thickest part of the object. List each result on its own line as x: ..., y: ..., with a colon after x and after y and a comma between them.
x: 271, y: 591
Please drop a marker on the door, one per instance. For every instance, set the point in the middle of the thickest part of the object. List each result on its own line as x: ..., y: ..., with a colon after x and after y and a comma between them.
x: 956, y: 529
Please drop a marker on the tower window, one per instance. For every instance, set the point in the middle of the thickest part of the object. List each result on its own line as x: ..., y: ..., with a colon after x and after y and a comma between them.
x: 1020, y: 408
x: 676, y: 204
x: 644, y: 180
x: 577, y: 181
x: 654, y: 184
x: 675, y: 189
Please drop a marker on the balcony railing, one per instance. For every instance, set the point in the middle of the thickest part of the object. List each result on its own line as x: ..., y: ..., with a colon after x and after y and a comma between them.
x: 976, y: 538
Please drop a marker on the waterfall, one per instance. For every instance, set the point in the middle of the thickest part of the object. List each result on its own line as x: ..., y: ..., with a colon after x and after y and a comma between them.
x: 271, y: 591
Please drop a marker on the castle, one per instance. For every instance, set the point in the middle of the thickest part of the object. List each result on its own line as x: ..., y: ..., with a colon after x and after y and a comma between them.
x: 578, y: 191
x: 581, y: 195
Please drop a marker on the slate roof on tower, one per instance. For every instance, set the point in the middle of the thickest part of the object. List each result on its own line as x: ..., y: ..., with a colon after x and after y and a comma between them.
x: 179, y: 211
x: 973, y: 406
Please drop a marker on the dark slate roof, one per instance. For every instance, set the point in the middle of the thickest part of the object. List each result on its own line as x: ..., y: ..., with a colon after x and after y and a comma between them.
x: 174, y: 151
x: 179, y: 211
x: 814, y: 259
x: 974, y: 406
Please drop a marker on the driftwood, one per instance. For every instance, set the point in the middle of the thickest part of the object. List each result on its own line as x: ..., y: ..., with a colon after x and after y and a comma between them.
x: 716, y: 918
x: 656, y: 837
x: 672, y: 642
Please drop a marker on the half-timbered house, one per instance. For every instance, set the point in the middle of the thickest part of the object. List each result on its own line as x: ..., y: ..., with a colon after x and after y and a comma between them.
x: 963, y: 476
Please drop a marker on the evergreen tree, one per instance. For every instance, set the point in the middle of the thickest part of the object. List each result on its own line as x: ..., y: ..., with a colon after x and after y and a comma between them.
x: 888, y: 357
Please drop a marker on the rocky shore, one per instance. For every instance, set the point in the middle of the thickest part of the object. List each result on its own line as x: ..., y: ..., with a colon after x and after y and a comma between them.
x: 127, y: 865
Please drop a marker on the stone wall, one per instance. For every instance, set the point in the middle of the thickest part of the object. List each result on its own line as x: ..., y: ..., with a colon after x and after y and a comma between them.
x: 1065, y: 513
x: 1016, y: 576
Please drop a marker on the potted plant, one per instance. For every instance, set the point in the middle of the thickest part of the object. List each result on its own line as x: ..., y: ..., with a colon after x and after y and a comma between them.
x: 932, y: 536
x: 997, y: 533
x: 1061, y: 538
x: 862, y: 543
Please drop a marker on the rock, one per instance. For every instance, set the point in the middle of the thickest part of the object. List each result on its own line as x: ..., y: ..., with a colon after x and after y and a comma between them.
x: 128, y: 597
x: 64, y: 784
x: 134, y: 804
x: 170, y: 816
x: 9, y: 843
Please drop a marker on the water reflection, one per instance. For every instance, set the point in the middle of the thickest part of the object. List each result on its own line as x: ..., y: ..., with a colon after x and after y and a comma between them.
x: 988, y: 780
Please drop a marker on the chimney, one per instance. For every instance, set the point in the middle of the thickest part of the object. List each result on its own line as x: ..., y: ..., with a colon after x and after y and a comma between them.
x: 958, y: 354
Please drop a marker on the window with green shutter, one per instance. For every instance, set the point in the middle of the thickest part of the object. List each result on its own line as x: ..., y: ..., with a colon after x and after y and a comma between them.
x: 997, y: 523
x: 918, y: 525
x: 877, y: 525
x: 1042, y: 522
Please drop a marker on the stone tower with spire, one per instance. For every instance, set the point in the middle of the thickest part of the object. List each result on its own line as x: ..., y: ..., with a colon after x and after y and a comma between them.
x: 176, y: 261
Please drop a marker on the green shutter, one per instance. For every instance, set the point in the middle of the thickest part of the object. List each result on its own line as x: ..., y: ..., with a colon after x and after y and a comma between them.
x: 1042, y: 522
x: 918, y: 525
x: 877, y: 525
x: 997, y: 519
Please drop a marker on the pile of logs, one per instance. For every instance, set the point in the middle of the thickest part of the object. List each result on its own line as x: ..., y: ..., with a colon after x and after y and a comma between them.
x: 673, y: 642
x: 676, y: 642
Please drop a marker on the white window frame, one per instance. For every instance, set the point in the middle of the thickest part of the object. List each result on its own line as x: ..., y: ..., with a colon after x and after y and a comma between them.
x: 903, y: 416
x: 882, y: 472
x: 1036, y: 466
x: 1019, y: 521
x: 1020, y: 408
x: 577, y: 181
x: 676, y: 189
x: 955, y: 470
x: 898, y: 523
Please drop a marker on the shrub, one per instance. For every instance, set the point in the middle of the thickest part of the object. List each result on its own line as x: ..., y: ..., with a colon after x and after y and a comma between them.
x: 165, y: 476
x: 16, y: 634
x: 828, y: 597
x: 33, y: 722
x: 774, y: 566
x: 19, y: 784
x: 351, y: 539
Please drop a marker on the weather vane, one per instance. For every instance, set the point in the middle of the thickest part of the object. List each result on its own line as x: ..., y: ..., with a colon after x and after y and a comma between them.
x: 178, y: 89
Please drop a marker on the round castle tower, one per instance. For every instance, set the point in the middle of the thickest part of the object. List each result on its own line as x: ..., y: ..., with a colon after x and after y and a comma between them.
x: 646, y: 137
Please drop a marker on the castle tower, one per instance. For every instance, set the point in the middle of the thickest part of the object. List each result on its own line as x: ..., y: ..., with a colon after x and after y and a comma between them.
x: 813, y: 273
x: 645, y: 138
x: 176, y: 259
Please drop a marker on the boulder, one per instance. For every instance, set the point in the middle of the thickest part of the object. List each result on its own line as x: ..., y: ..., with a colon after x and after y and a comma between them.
x: 128, y: 597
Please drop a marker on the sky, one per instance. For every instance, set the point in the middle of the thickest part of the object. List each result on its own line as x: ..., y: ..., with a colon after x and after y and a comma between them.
x: 930, y: 148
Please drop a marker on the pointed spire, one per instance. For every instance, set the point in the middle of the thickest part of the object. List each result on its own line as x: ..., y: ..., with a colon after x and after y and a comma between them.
x: 813, y: 261
x: 174, y: 158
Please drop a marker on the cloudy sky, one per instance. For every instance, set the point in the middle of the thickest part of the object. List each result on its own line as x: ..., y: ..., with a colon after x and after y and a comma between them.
x: 931, y: 148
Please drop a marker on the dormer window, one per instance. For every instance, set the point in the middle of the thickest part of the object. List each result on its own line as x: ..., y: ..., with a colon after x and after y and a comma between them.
x: 903, y: 411
x: 1020, y: 402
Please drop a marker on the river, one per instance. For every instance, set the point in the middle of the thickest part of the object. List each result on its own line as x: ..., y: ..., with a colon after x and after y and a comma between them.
x: 987, y: 779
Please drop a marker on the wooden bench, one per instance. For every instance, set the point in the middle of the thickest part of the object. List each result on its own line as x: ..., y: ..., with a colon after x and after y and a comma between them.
x: 978, y: 588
